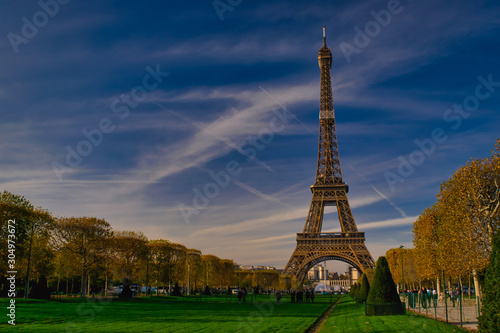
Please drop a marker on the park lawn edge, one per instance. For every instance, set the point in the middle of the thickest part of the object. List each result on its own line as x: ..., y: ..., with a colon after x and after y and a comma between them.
x: 354, y: 320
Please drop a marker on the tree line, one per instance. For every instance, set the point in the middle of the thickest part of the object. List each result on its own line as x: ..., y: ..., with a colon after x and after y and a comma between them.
x: 84, y: 254
x: 453, y: 238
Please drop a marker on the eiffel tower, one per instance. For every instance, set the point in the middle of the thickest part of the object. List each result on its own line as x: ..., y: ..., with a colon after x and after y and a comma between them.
x: 314, y: 246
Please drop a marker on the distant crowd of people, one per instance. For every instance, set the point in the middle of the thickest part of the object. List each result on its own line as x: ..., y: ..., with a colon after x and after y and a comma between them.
x: 427, y: 298
x: 242, y: 295
x: 296, y: 296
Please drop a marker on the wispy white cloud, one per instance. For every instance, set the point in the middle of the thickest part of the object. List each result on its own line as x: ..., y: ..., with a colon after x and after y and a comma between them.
x: 288, y: 238
x: 210, y: 139
x: 250, y: 224
x: 358, y: 202
x: 258, y: 193
x: 404, y: 221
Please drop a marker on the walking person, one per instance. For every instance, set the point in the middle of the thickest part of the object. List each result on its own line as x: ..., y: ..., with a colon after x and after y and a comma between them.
x: 240, y: 295
x: 452, y: 296
x: 429, y: 297
x: 299, y: 296
x: 458, y: 295
x: 422, y: 294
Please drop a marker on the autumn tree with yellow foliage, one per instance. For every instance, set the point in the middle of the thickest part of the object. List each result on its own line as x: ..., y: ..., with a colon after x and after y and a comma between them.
x: 455, y: 234
x: 75, y: 254
x: 402, y: 265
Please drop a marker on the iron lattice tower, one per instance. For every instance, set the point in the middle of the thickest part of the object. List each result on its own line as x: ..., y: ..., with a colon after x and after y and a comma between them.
x: 329, y: 189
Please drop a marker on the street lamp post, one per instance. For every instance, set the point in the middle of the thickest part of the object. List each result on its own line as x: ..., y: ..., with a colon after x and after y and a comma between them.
x: 402, y: 269
x: 148, y: 291
x: 324, y: 276
x: 27, y: 291
x: 188, y: 285
x: 402, y: 275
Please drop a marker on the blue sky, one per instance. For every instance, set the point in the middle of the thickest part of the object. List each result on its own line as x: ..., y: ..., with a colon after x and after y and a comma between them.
x: 151, y: 99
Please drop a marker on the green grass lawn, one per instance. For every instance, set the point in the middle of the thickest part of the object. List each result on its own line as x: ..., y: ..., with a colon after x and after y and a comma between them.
x: 205, y: 314
x: 164, y: 314
x: 349, y: 317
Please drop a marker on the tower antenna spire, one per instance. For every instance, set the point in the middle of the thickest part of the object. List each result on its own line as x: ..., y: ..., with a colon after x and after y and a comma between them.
x: 324, y: 36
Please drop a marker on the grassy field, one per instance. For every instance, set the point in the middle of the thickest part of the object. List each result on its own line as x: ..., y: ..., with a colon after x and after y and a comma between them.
x: 349, y: 317
x: 164, y: 314
x: 205, y: 314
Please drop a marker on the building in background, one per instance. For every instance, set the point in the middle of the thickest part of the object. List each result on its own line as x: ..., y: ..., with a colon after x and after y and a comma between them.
x: 317, y: 273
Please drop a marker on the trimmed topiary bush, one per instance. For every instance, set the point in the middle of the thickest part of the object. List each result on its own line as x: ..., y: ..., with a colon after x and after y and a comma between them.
x: 358, y: 285
x: 177, y: 290
x: 489, y: 320
x: 352, y: 292
x: 126, y: 292
x: 40, y: 290
x: 362, y: 294
x: 383, y: 298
